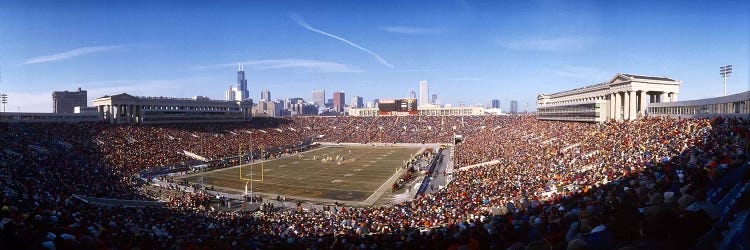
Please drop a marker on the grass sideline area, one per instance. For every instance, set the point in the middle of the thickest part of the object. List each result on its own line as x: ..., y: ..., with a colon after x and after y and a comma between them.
x: 344, y: 173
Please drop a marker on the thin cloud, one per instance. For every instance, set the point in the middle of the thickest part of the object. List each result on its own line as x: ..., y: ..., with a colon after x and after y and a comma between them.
x: 560, y: 44
x: 377, y: 57
x: 319, y: 66
x: 71, y: 54
x: 412, y: 30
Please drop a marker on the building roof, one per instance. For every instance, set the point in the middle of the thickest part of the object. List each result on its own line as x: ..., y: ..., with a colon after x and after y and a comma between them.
x: 658, y: 78
x: 585, y: 87
x: 630, y: 77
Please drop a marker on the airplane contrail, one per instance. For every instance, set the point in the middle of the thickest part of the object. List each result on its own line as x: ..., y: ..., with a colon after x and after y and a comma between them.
x: 379, y: 58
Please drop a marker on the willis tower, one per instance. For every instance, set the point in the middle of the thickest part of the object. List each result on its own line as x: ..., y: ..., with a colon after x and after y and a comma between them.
x: 242, y: 84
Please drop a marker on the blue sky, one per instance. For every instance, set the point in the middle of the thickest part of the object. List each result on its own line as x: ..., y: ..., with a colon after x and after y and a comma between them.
x: 469, y: 51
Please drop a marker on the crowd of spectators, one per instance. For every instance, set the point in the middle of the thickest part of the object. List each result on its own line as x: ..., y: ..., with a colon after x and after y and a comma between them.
x: 640, y: 184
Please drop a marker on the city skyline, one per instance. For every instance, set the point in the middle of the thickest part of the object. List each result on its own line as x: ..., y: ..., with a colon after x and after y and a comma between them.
x: 468, y: 51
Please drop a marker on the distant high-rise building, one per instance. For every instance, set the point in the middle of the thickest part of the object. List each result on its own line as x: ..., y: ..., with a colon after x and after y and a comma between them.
x: 242, y: 92
x: 265, y: 95
x: 64, y: 102
x: 375, y: 102
x: 296, y: 100
x: 302, y: 108
x: 290, y: 102
x: 412, y: 94
x: 319, y: 98
x: 424, y: 93
x: 329, y: 103
x: 493, y: 104
x: 514, y: 107
x: 370, y: 105
x: 270, y: 109
x: 339, y: 101
x: 357, y: 102
x: 231, y: 94
x: 434, y: 100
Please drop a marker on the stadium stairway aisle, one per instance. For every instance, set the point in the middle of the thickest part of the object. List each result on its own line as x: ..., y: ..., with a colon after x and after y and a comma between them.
x: 729, y: 231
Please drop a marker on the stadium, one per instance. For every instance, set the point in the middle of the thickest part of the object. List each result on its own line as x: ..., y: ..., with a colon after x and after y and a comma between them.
x: 511, y: 179
x: 344, y: 125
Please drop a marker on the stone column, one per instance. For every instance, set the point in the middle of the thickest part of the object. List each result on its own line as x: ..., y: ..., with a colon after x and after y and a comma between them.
x: 131, y: 113
x: 113, y: 113
x: 126, y: 113
x: 626, y: 106
x: 662, y: 97
x: 618, y: 104
x: 109, y: 113
x: 632, y: 105
x: 674, y: 97
x: 612, y: 105
x: 644, y: 99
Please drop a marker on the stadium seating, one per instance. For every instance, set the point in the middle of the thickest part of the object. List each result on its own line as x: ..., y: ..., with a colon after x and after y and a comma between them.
x: 651, y: 183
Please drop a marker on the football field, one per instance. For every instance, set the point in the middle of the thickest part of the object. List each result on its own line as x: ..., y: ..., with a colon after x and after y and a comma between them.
x: 346, y: 173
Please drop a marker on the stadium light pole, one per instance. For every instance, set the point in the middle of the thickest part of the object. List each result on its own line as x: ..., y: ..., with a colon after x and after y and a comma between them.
x: 725, y: 71
x: 4, y: 99
x: 3, y: 96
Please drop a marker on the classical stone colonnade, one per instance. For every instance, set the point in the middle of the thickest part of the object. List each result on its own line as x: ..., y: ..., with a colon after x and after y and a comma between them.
x: 624, y: 97
x: 124, y: 108
x: 630, y: 105
x: 125, y: 113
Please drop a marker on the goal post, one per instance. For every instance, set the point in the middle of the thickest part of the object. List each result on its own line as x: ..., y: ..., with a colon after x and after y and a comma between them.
x: 242, y: 177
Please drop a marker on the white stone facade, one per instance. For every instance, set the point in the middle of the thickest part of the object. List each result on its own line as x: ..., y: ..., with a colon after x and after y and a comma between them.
x: 623, y: 97
x: 124, y: 108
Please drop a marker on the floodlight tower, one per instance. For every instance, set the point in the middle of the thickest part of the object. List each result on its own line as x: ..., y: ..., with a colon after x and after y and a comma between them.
x: 4, y: 100
x: 3, y: 96
x: 725, y: 71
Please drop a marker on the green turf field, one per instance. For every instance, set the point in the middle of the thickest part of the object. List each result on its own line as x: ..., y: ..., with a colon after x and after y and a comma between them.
x: 361, y: 171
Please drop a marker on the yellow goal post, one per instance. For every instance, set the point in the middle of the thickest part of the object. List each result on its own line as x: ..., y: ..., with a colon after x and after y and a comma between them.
x: 242, y: 177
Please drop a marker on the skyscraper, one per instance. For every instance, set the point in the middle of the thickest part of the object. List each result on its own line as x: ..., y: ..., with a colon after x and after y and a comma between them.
x: 494, y: 104
x: 434, y: 100
x: 514, y: 107
x: 265, y: 95
x: 319, y: 98
x: 64, y: 102
x: 357, y: 102
x: 412, y: 94
x: 424, y: 93
x: 243, y: 93
x: 339, y: 100
x: 231, y: 94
